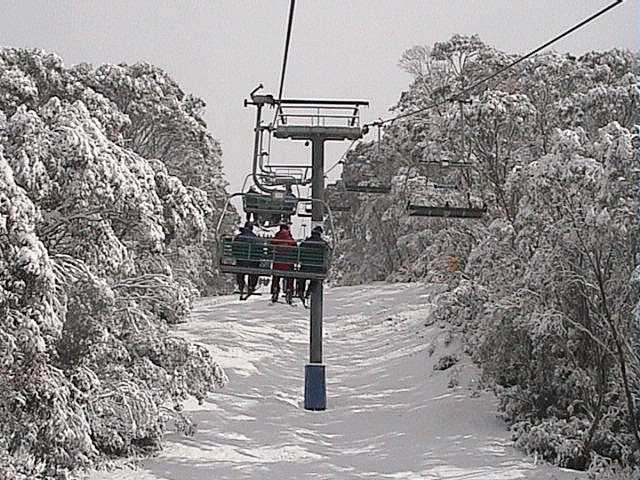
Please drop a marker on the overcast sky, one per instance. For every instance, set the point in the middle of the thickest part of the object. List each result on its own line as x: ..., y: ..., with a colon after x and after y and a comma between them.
x: 220, y: 50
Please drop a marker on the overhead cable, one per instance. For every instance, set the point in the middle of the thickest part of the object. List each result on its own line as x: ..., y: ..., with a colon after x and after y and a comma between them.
x: 285, y: 57
x: 466, y: 90
x: 342, y: 157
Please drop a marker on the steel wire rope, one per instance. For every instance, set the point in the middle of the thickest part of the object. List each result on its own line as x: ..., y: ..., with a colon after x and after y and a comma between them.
x: 342, y: 157
x: 285, y: 57
x: 466, y: 90
x: 283, y: 71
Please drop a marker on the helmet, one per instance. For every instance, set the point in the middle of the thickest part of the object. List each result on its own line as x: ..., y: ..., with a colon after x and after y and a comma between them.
x: 317, y: 230
x: 248, y: 226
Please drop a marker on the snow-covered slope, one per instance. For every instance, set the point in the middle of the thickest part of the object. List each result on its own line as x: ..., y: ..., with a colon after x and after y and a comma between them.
x: 389, y: 415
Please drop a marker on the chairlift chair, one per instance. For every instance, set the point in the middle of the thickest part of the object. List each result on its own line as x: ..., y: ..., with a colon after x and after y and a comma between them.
x: 269, y: 210
x: 282, y: 180
x: 257, y: 257
x: 370, y: 184
x: 447, y: 164
x: 443, y: 186
x: 367, y: 188
x: 335, y: 208
x: 339, y: 208
x: 445, y: 212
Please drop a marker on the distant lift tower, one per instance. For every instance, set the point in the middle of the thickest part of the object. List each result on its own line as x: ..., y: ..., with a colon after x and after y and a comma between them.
x: 317, y: 121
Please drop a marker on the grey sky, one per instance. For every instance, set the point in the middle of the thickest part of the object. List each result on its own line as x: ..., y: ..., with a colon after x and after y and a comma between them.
x: 220, y: 50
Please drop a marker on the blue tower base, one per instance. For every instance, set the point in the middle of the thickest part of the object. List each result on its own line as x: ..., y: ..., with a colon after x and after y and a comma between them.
x: 315, y: 390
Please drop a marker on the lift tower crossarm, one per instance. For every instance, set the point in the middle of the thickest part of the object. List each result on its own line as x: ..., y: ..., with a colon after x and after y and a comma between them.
x: 323, y: 101
x: 338, y: 120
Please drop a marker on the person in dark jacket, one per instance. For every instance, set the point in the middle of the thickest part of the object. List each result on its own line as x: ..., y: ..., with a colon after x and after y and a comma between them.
x: 243, y: 242
x: 284, y: 246
x: 315, y: 241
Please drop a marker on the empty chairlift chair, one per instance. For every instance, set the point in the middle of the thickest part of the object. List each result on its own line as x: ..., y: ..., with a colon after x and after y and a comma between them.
x: 337, y: 198
x: 367, y: 188
x: 445, y: 211
x: 367, y: 183
x: 269, y: 209
x: 363, y: 181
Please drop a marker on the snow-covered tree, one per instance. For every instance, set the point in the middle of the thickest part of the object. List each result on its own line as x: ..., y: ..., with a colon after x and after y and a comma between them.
x: 540, y: 286
x: 103, y: 245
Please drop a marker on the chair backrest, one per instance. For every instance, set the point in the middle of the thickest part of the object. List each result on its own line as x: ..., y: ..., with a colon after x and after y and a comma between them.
x: 241, y: 249
x: 308, y: 257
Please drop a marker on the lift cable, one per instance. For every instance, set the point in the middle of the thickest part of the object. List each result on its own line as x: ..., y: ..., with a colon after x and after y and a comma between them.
x: 341, y: 159
x: 286, y: 55
x: 466, y: 90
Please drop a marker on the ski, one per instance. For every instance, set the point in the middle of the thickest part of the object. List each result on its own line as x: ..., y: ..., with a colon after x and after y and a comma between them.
x: 250, y: 294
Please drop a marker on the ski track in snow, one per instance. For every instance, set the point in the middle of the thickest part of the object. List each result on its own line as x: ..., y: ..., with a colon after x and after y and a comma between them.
x: 389, y: 414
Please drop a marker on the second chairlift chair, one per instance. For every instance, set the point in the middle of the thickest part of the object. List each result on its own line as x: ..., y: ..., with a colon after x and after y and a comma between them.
x: 446, y: 210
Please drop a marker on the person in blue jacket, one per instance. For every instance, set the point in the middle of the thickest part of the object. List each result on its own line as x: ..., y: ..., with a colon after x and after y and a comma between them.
x: 242, y: 243
x: 315, y: 241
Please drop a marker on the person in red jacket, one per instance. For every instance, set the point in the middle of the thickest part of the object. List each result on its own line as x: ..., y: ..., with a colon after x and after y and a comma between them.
x: 284, y: 247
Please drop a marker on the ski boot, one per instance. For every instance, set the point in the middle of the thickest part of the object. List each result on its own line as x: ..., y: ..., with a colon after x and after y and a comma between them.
x: 288, y: 296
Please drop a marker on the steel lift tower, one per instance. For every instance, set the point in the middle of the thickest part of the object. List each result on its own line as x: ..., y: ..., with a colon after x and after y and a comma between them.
x: 317, y: 121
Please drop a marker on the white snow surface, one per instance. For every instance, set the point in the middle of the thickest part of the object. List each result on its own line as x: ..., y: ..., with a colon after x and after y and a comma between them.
x: 389, y: 414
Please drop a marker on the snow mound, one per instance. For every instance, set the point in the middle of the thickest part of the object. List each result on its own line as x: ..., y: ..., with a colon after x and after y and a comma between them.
x: 389, y: 416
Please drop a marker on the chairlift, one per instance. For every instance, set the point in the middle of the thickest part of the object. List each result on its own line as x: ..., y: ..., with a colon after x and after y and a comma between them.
x: 445, y: 212
x: 367, y: 183
x: 257, y: 257
x: 464, y: 161
x: 447, y: 164
x: 269, y: 210
x: 271, y: 174
x: 367, y: 188
x: 371, y: 183
x: 448, y: 211
x: 340, y: 208
x: 335, y: 208
x: 442, y: 186
x: 276, y: 179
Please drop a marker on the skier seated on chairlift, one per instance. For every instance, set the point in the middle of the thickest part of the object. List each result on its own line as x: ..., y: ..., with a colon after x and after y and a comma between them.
x: 285, y: 243
x: 246, y: 236
x: 314, y: 241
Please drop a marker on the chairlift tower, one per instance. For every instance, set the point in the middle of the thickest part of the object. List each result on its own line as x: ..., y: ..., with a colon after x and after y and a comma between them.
x: 317, y: 121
